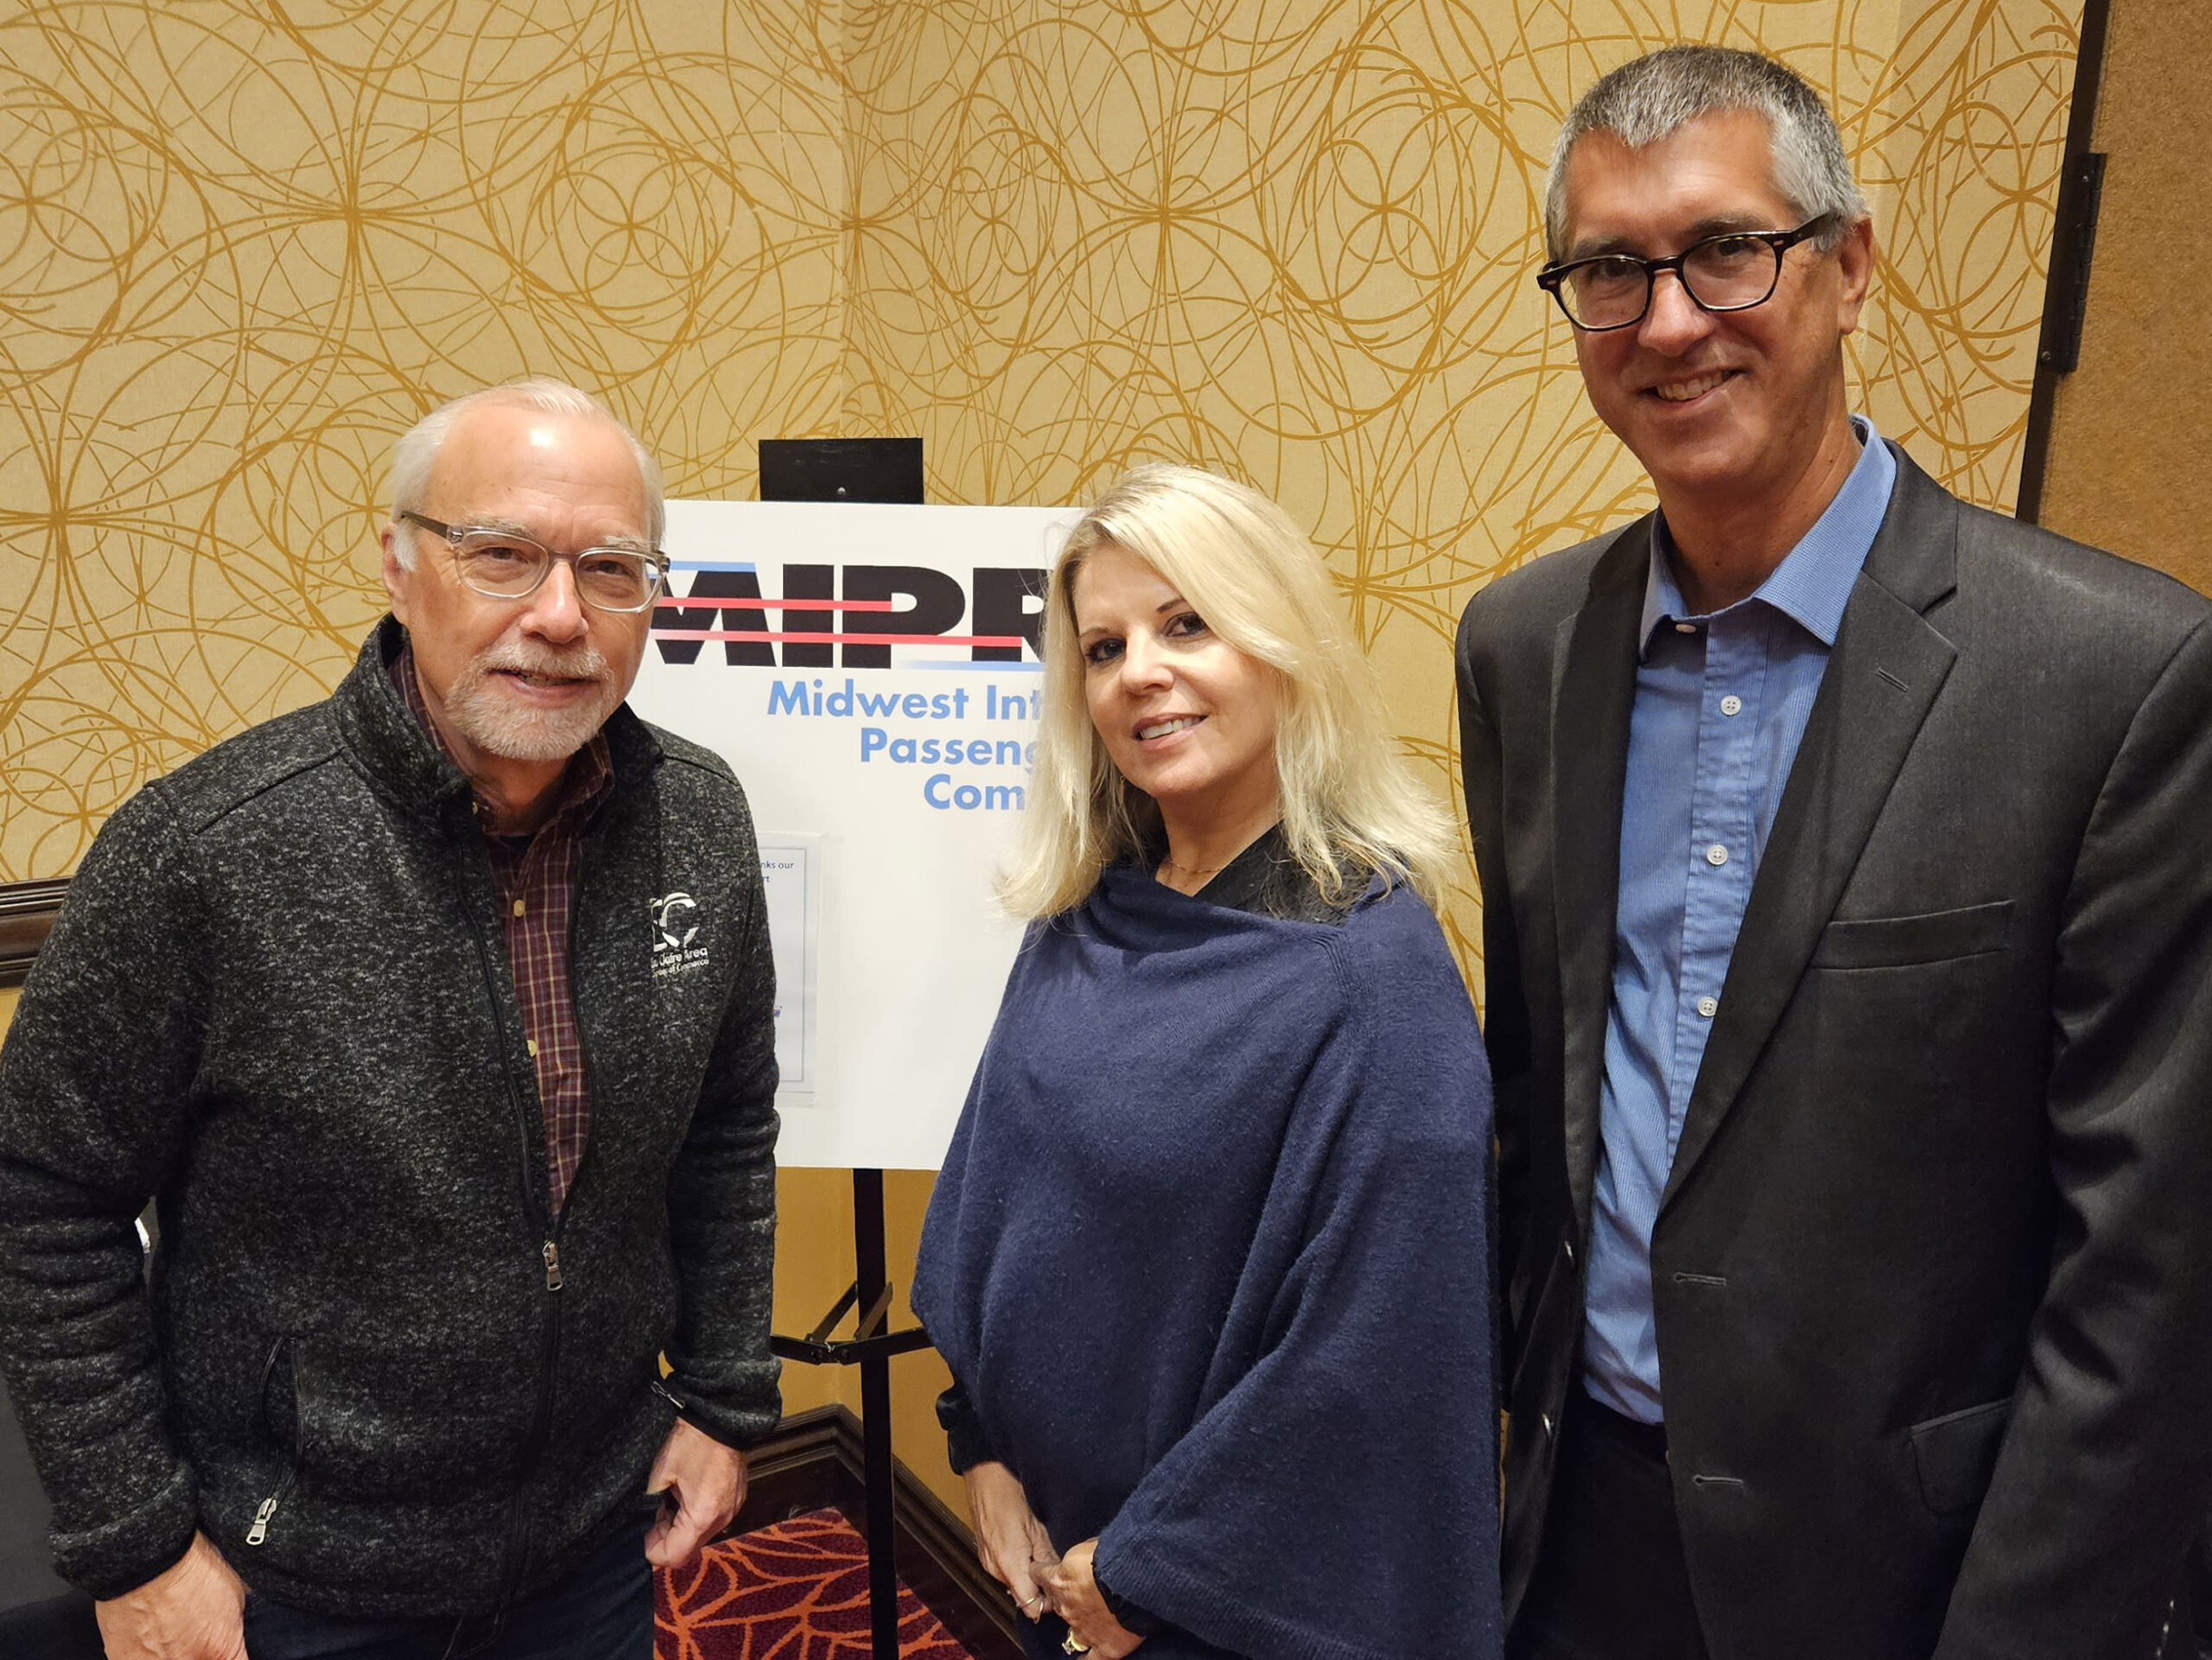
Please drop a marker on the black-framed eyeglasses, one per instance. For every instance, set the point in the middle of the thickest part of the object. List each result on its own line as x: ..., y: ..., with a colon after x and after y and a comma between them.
x: 507, y: 565
x: 1733, y: 271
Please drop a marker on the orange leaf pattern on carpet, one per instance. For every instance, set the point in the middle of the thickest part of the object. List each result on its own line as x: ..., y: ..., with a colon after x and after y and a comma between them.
x: 795, y: 1591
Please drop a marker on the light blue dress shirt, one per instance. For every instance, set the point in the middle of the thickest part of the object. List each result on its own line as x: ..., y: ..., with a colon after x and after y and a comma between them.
x: 1721, y: 702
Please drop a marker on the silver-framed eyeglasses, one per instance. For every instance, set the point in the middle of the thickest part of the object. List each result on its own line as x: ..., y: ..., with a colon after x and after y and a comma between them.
x: 1733, y: 271
x: 504, y: 564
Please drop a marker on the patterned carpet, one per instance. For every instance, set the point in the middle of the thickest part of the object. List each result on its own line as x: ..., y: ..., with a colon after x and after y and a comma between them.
x: 796, y: 1590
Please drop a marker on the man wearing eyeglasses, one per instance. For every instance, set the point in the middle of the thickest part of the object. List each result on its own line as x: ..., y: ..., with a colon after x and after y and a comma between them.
x: 1848, y: 951
x: 458, y: 1313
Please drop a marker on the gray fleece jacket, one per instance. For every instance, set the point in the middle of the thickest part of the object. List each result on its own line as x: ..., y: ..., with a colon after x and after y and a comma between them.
x: 367, y: 1361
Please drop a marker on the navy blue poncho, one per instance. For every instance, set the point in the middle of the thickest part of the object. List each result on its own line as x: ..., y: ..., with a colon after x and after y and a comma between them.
x: 1208, y: 1256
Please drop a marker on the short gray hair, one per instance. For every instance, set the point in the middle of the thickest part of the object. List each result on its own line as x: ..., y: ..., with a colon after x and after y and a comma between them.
x: 416, y: 452
x: 1657, y: 95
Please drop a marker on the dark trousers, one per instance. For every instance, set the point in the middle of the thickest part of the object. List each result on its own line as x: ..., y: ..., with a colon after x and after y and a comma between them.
x: 1611, y: 1583
x: 601, y: 1610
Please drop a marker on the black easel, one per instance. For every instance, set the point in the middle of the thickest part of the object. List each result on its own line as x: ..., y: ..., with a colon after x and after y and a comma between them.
x: 858, y: 469
x: 870, y: 1348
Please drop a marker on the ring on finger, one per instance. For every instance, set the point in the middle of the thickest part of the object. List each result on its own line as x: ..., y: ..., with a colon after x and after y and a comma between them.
x: 1073, y: 1645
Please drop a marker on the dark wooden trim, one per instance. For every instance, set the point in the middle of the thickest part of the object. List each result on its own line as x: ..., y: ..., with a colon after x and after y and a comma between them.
x: 27, y: 913
x: 814, y: 1461
x: 2073, y: 237
x: 936, y: 1557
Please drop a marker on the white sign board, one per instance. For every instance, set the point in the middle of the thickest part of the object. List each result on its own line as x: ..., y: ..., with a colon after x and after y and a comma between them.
x: 868, y: 671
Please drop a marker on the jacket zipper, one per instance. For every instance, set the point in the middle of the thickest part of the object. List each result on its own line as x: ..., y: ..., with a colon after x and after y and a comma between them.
x: 549, y: 1253
x: 533, y: 1158
x: 258, y: 1532
x: 541, y: 1430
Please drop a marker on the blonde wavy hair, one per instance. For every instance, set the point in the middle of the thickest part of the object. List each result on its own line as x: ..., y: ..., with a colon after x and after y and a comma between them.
x: 1350, y: 803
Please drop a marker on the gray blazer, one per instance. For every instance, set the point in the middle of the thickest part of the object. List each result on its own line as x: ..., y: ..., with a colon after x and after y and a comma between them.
x: 1933, y: 1271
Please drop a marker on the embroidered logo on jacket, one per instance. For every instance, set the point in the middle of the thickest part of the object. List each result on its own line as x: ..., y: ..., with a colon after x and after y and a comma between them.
x: 675, y: 927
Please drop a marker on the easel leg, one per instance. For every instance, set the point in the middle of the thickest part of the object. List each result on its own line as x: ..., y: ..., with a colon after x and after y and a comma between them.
x: 875, y: 1422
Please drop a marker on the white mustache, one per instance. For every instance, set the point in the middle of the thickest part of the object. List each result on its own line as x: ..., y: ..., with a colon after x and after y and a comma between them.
x: 581, y: 663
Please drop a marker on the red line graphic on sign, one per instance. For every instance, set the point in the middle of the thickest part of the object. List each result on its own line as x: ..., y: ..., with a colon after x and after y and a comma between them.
x: 834, y: 639
x: 746, y: 602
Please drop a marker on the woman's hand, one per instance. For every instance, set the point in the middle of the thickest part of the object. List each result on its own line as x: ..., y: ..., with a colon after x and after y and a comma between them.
x: 1010, y: 1542
x: 1073, y: 1592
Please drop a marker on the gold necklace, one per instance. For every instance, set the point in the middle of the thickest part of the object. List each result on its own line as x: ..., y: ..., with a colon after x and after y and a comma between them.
x: 1198, y: 870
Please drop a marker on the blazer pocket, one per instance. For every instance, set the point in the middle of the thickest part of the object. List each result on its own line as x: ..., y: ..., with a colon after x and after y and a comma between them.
x: 1956, y: 1454
x: 1899, y: 942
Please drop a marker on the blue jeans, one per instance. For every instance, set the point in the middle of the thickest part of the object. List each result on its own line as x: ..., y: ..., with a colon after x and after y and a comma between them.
x: 602, y: 1609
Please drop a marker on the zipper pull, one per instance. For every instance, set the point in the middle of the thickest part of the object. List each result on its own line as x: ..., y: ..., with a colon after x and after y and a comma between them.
x: 552, y: 1266
x: 661, y: 1389
x: 259, y: 1530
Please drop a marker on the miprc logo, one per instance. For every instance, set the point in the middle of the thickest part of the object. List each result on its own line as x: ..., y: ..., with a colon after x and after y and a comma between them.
x: 675, y: 929
x: 860, y: 611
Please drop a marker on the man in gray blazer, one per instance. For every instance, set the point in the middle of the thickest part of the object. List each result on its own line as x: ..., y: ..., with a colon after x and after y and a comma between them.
x: 1848, y: 943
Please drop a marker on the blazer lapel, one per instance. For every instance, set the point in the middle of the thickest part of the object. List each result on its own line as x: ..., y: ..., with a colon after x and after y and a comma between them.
x: 1888, y: 665
x: 1591, y: 702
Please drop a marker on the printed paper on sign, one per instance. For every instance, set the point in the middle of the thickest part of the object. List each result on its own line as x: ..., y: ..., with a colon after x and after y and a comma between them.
x: 791, y: 872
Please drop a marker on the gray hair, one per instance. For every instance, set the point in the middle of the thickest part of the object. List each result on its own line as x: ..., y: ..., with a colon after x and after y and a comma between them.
x: 1654, y: 96
x: 416, y: 452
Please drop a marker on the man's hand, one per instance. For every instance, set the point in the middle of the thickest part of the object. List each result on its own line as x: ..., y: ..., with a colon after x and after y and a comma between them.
x: 1009, y: 1539
x: 194, y: 1611
x: 701, y: 1483
x: 1073, y: 1590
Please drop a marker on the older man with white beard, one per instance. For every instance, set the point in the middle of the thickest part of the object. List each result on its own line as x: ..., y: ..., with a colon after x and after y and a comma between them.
x: 458, y: 1314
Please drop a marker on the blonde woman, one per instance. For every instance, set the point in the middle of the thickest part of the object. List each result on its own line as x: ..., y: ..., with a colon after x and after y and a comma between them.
x: 1208, y: 1256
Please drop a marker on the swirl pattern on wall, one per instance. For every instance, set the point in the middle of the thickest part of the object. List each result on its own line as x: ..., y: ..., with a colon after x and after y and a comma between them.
x: 241, y: 247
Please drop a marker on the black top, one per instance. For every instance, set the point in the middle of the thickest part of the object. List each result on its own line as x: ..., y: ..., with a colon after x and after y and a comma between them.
x: 1266, y: 881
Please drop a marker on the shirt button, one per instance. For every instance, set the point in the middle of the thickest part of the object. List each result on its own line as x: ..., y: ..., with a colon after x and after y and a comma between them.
x: 1708, y: 1007
x: 532, y: 1042
x: 1716, y: 855
x: 1731, y: 704
x: 519, y: 906
x: 1686, y: 628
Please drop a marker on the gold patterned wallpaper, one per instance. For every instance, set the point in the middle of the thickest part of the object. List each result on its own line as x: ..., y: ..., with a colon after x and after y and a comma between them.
x: 243, y: 244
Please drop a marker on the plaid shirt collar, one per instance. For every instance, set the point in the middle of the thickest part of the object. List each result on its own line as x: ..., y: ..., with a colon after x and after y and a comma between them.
x: 535, y: 877
x: 583, y: 785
